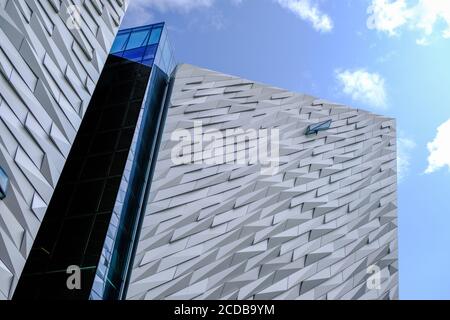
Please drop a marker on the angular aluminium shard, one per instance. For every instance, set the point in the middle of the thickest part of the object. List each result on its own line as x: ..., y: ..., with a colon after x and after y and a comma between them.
x: 323, y: 226
x: 51, y: 55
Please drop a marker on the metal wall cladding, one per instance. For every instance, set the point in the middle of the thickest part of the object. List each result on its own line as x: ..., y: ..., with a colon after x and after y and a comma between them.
x: 323, y: 227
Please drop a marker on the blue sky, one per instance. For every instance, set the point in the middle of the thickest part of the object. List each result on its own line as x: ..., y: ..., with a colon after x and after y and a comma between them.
x: 386, y: 56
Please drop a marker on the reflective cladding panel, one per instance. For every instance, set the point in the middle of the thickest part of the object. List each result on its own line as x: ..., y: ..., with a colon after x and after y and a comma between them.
x: 165, y: 59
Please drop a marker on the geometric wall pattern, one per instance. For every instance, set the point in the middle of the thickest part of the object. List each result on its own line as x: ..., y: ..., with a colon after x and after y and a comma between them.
x: 48, y: 72
x: 309, y: 232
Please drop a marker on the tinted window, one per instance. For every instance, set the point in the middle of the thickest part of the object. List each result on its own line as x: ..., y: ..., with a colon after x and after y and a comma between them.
x: 119, y: 43
x: 137, y: 39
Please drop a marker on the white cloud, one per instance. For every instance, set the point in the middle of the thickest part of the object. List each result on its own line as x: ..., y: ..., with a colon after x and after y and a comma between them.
x: 421, y: 15
x: 365, y: 87
x: 141, y: 11
x: 387, y: 16
x: 404, y: 148
x: 308, y: 12
x: 439, y: 149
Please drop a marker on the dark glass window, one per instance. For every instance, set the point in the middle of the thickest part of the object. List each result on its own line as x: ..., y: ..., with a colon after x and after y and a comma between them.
x: 316, y: 128
x: 94, y: 215
x: 76, y: 223
x: 144, y: 160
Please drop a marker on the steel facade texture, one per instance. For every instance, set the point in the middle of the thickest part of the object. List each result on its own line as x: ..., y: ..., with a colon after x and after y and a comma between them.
x: 320, y: 228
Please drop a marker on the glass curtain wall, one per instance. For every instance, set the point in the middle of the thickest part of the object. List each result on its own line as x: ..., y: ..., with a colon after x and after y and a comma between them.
x: 92, y: 220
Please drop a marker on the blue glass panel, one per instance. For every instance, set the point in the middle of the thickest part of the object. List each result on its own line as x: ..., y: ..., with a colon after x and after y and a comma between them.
x: 118, y: 54
x: 137, y: 39
x: 4, y: 181
x: 156, y: 35
x: 134, y: 54
x: 148, y: 62
x: 139, y: 28
x: 150, y: 52
x: 119, y: 43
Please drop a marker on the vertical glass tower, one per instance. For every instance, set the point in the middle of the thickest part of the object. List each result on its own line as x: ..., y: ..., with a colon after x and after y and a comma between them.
x: 93, y: 218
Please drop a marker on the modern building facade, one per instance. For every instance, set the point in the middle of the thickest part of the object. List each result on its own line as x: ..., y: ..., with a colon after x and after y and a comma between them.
x: 160, y: 188
x: 51, y: 55
x: 321, y: 226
